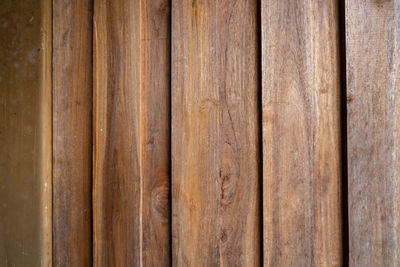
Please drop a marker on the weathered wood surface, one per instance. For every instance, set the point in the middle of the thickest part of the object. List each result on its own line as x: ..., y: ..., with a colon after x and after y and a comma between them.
x: 301, y: 133
x: 215, y: 134
x: 372, y: 61
x: 72, y: 132
x: 131, y: 133
x: 25, y: 133
x: 155, y: 131
x: 116, y: 200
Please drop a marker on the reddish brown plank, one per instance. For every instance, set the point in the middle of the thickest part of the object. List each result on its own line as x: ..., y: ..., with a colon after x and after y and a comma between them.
x: 72, y: 132
x: 116, y: 199
x: 215, y: 129
x: 131, y: 133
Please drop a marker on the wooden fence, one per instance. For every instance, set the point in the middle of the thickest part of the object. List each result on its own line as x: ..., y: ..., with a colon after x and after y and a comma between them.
x: 200, y: 133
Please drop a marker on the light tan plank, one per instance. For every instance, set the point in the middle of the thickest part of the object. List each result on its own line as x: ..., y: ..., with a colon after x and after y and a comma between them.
x: 25, y: 133
x: 301, y: 133
x: 215, y: 133
x: 372, y: 55
x: 72, y: 132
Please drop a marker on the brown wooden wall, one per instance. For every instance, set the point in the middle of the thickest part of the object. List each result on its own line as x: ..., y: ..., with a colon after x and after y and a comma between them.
x: 199, y: 133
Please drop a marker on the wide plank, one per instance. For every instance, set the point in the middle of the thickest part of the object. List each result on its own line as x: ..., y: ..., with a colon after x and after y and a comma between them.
x: 72, y: 132
x: 301, y: 133
x: 372, y: 68
x: 25, y: 133
x: 131, y: 133
x: 215, y: 133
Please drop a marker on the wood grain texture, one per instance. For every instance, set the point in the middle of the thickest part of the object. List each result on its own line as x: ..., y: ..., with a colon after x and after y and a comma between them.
x: 131, y: 133
x: 25, y: 133
x: 116, y: 200
x: 215, y: 133
x: 72, y: 132
x: 372, y: 67
x: 301, y: 133
x: 155, y: 131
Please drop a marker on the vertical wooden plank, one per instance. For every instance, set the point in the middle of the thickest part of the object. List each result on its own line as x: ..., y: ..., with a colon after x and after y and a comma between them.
x: 155, y: 131
x: 116, y: 133
x: 301, y: 133
x: 215, y: 143
x: 72, y: 133
x: 131, y: 133
x: 372, y: 62
x: 25, y: 133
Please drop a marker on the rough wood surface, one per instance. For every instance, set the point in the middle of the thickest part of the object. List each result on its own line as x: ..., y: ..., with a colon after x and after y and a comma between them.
x: 25, y: 133
x: 155, y: 131
x: 301, y: 133
x: 372, y: 56
x: 215, y: 133
x: 116, y: 199
x: 72, y: 132
x: 131, y: 133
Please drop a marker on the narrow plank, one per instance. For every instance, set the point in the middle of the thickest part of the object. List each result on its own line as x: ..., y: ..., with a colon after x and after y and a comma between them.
x: 372, y: 67
x: 72, y: 133
x: 25, y: 133
x: 215, y: 133
x: 116, y: 200
x: 131, y: 133
x: 301, y: 133
x: 155, y: 131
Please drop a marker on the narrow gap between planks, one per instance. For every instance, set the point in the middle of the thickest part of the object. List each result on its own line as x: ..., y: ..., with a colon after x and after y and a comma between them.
x: 343, y: 130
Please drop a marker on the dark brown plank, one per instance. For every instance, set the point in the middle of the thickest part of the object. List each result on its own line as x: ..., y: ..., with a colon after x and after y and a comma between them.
x: 301, y: 133
x: 131, y: 129
x: 215, y: 128
x: 372, y: 55
x: 25, y: 133
x: 72, y: 132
